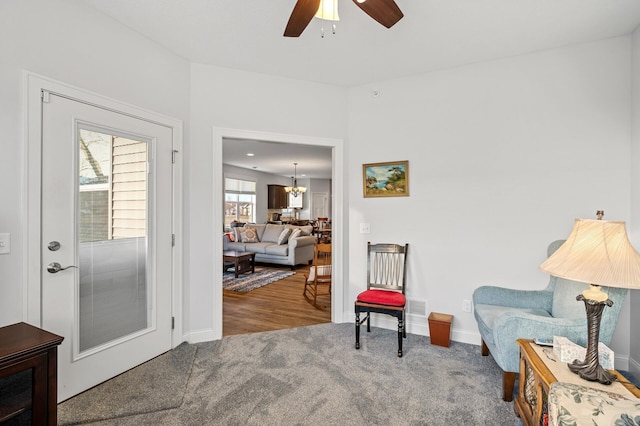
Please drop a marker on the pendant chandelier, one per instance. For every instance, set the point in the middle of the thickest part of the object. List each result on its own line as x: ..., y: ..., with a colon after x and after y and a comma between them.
x: 294, y: 189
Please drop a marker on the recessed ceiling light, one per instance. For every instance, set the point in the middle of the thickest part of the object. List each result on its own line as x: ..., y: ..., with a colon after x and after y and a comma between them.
x: 249, y: 154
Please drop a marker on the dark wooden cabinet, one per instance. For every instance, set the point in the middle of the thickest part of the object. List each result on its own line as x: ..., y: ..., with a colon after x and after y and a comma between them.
x: 28, y: 375
x: 278, y: 198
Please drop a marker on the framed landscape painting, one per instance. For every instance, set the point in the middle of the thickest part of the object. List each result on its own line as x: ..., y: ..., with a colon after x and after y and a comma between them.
x: 389, y: 179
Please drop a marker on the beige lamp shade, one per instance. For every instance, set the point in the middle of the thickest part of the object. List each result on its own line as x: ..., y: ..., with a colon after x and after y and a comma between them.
x: 597, y: 252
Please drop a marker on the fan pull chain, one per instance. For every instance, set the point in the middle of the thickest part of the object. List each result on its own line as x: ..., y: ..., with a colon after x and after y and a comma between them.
x: 333, y: 30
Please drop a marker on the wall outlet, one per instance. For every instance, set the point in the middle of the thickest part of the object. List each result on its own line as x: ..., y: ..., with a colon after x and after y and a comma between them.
x: 466, y: 305
x: 365, y: 228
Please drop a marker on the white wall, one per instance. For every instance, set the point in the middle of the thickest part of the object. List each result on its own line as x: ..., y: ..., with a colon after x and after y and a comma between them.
x: 225, y: 98
x: 503, y: 156
x: 72, y: 43
x: 634, y: 223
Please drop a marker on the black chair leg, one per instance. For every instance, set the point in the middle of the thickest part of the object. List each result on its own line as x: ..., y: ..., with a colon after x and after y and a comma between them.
x: 368, y: 322
x: 404, y: 327
x: 400, y: 336
x: 357, y: 330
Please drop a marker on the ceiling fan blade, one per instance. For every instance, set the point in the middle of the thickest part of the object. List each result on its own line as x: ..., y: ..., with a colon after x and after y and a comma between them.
x: 302, y: 14
x: 385, y: 12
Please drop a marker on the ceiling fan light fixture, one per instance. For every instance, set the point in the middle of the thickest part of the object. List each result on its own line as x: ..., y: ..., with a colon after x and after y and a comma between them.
x: 385, y: 12
x: 328, y: 10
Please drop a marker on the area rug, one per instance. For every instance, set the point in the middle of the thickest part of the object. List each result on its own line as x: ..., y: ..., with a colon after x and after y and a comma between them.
x: 156, y: 385
x: 313, y: 375
x: 248, y: 282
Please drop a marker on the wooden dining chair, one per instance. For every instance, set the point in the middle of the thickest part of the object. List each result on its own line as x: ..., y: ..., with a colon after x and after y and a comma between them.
x: 319, y: 274
x: 386, y: 283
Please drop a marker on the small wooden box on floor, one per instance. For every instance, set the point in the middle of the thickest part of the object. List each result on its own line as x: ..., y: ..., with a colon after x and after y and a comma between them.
x: 440, y: 329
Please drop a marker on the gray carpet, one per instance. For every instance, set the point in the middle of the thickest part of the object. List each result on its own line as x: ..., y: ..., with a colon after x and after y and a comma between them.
x: 159, y: 384
x: 247, y: 282
x: 309, y: 375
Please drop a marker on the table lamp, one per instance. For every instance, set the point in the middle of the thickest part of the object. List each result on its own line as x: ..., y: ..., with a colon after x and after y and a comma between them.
x: 597, y: 252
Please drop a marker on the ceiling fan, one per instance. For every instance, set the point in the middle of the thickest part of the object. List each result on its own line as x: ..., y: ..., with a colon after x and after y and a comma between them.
x: 385, y: 12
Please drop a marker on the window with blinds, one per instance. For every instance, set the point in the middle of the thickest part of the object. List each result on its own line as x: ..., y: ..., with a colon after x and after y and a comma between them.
x: 239, y: 201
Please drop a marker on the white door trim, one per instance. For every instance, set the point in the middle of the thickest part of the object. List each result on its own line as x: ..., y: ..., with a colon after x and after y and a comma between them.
x: 33, y: 85
x: 338, y: 213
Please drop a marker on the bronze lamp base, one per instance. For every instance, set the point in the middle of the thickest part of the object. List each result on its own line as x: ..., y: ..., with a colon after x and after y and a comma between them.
x: 590, y: 369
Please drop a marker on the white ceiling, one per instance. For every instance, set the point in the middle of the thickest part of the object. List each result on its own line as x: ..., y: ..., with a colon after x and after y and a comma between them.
x: 314, y: 162
x: 434, y: 34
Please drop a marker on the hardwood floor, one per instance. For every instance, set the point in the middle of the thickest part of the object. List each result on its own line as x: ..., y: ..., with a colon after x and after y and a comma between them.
x: 275, y: 306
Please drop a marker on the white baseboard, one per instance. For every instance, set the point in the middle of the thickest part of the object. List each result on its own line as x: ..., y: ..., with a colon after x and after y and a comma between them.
x: 199, y: 336
x: 466, y: 337
x: 416, y: 324
x: 621, y: 362
x: 634, y: 367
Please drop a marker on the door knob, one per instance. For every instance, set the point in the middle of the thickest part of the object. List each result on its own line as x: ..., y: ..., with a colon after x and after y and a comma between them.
x: 54, y: 267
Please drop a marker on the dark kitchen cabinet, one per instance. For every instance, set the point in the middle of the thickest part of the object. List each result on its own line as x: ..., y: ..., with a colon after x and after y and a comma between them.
x: 278, y: 198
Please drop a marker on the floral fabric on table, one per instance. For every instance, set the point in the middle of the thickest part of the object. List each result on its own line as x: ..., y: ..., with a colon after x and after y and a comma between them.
x: 575, y: 405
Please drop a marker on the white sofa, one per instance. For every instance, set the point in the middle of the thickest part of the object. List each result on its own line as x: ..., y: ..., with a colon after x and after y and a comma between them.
x: 271, y: 246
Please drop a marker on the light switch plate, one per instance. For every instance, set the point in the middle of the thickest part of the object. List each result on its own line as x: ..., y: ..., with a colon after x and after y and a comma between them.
x: 5, y: 243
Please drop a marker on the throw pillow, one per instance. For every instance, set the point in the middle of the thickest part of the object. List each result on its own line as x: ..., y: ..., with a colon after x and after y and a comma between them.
x: 249, y: 235
x: 271, y: 233
x: 284, y: 236
x: 306, y: 229
x: 237, y: 236
x: 295, y: 234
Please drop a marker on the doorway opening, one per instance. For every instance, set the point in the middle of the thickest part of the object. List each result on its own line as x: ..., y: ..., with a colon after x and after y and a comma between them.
x: 336, y: 190
x: 256, y: 174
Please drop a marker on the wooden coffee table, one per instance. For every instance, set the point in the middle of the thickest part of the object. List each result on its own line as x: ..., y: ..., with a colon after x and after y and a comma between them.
x: 242, y: 261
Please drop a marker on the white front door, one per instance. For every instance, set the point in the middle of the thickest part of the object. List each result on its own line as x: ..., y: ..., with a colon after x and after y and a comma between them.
x: 106, y: 240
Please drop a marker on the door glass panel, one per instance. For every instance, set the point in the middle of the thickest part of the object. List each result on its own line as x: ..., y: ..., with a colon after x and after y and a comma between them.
x: 112, y: 237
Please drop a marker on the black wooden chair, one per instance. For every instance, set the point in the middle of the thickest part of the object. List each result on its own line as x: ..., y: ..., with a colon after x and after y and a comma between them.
x: 385, y: 293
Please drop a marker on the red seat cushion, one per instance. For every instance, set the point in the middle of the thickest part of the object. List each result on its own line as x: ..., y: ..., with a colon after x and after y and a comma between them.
x: 382, y: 297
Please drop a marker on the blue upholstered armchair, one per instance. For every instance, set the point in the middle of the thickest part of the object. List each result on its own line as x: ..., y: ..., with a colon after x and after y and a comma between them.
x: 504, y: 315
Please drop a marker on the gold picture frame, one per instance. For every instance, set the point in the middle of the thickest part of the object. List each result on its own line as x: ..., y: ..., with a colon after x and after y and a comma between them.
x: 388, y: 179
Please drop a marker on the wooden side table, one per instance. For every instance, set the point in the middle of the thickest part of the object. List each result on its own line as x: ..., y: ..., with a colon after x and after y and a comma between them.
x: 28, y: 374
x: 537, y: 367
